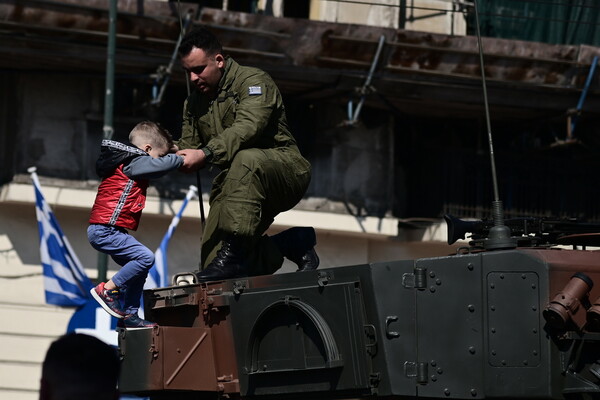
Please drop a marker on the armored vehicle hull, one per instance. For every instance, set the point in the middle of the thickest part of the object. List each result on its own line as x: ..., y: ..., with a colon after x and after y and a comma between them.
x: 496, y: 324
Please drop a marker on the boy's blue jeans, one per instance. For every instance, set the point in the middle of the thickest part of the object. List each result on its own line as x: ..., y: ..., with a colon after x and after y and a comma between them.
x: 134, y: 258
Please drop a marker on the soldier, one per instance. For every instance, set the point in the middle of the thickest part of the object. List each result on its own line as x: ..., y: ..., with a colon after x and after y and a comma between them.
x: 235, y: 120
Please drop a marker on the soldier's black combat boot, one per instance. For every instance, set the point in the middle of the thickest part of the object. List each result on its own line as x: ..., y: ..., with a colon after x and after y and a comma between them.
x: 297, y: 245
x: 227, y: 264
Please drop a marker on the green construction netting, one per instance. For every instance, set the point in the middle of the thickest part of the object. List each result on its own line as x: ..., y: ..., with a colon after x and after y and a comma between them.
x: 549, y: 21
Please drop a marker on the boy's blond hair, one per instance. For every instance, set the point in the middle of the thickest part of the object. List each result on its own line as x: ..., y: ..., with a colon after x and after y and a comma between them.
x: 151, y: 133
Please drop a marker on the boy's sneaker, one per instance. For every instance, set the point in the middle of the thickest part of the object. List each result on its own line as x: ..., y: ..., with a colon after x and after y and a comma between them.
x: 108, y: 299
x: 133, y: 321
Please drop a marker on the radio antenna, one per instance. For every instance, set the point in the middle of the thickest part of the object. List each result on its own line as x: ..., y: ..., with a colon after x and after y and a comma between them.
x: 500, y: 235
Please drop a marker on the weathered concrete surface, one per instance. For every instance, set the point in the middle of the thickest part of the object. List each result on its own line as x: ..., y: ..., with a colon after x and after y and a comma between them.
x: 417, y: 71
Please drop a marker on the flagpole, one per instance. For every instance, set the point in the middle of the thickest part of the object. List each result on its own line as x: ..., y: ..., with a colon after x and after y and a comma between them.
x: 34, y: 176
x: 108, y: 106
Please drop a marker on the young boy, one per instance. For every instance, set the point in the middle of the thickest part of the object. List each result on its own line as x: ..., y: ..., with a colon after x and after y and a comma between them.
x: 125, y: 171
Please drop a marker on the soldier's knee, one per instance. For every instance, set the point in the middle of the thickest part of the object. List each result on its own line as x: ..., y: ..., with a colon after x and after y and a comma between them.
x: 248, y: 158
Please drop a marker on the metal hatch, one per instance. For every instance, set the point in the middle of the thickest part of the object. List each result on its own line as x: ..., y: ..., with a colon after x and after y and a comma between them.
x: 167, y: 358
x: 301, y: 339
x: 449, y: 328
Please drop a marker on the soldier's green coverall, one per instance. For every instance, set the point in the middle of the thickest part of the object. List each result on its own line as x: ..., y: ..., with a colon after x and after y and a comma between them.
x: 244, y: 132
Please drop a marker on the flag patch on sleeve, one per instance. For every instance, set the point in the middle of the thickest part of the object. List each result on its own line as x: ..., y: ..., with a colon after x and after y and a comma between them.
x: 254, y: 90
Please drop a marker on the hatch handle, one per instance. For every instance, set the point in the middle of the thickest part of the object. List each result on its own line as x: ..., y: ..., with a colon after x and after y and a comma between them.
x: 388, y: 320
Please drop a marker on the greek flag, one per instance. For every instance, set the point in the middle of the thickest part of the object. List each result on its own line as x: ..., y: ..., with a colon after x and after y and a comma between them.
x: 157, y: 276
x: 65, y: 281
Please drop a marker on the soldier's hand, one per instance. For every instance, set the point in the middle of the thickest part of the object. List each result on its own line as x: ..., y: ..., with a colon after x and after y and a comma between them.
x: 193, y: 160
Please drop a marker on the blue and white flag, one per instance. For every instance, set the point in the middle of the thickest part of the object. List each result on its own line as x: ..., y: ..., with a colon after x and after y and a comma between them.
x: 65, y: 281
x: 157, y: 276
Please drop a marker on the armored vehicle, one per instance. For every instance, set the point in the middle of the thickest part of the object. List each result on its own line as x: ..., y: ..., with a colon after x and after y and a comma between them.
x: 518, y: 321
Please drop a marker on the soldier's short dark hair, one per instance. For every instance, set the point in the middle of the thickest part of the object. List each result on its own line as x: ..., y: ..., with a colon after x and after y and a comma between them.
x: 200, y: 38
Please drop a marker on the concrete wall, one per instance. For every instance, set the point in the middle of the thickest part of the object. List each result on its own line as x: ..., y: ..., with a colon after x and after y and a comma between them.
x: 53, y: 123
x: 342, y: 239
x: 427, y: 15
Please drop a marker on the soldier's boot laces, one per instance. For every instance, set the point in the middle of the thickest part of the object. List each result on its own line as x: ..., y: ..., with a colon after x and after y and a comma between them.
x: 227, y: 264
x: 298, y: 245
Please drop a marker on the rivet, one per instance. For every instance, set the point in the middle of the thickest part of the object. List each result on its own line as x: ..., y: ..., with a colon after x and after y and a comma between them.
x: 493, y: 308
x: 432, y: 289
x: 433, y: 363
x: 473, y: 392
x: 470, y: 267
x: 447, y: 392
x: 493, y: 352
x: 472, y: 350
x: 433, y: 378
x: 503, y: 362
x: 534, y: 308
x: 439, y: 371
x: 471, y: 307
x: 492, y: 285
x: 431, y: 274
x: 501, y: 276
x: 438, y: 282
x: 535, y: 353
x: 533, y: 286
x: 493, y: 330
x: 525, y: 362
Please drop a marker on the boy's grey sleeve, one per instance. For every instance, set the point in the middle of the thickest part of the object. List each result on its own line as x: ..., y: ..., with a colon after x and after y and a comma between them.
x: 147, y: 167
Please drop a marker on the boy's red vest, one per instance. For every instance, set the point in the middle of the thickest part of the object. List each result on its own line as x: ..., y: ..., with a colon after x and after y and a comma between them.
x: 120, y: 201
